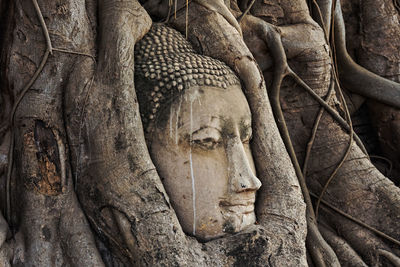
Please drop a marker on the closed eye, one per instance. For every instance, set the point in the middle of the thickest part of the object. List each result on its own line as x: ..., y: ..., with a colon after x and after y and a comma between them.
x: 207, y: 138
x: 207, y: 143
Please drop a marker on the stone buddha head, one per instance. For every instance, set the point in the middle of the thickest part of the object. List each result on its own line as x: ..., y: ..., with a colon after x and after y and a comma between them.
x: 198, y: 127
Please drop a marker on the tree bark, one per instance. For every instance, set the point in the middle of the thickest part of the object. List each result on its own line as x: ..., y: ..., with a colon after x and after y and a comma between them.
x: 84, y: 191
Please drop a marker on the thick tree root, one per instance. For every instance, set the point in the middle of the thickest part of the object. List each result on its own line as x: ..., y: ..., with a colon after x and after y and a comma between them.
x: 346, y: 254
x: 390, y: 256
x: 372, y: 229
x: 357, y: 79
x: 364, y: 242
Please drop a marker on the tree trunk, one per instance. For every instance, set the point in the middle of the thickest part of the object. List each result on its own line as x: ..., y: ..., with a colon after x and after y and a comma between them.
x: 80, y: 188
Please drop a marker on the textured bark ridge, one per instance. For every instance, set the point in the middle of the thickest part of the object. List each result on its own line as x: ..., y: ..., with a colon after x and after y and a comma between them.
x: 78, y: 187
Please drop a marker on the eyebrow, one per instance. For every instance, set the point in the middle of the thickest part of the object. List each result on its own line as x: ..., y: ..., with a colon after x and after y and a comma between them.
x: 204, y: 125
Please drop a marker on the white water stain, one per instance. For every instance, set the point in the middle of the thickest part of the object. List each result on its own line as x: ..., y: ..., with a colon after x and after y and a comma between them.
x: 191, y: 170
x: 192, y: 97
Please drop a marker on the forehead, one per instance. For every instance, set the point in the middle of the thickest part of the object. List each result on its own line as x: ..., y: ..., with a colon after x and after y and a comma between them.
x: 212, y: 106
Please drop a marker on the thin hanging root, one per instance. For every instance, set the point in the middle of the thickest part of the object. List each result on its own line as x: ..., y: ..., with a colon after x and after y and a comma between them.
x: 348, y: 216
x: 176, y: 11
x: 328, y: 29
x: 16, y: 104
x: 186, y: 19
x: 328, y: 108
x: 74, y: 53
x: 314, y: 130
x: 328, y: 97
x: 44, y: 27
x: 12, y: 141
x: 342, y: 161
x: 325, y: 20
x: 239, y: 19
x: 175, y: 7
x: 339, y: 119
x: 322, y: 254
x: 169, y: 11
x: 346, y: 154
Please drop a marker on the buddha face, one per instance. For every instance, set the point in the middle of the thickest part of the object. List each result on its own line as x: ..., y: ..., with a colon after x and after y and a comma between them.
x: 200, y: 146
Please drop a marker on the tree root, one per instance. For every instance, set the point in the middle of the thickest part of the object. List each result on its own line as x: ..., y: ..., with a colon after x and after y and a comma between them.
x: 338, y: 30
x: 220, y: 7
x: 366, y: 243
x: 329, y: 109
x: 12, y: 141
x: 389, y: 256
x: 356, y: 78
x: 324, y: 18
x: 376, y: 231
x: 239, y: 19
x: 346, y: 154
x: 318, y: 245
x: 322, y: 254
x: 314, y: 130
x: 344, y: 251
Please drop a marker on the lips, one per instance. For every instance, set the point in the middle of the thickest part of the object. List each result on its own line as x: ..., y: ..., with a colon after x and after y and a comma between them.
x: 238, y: 205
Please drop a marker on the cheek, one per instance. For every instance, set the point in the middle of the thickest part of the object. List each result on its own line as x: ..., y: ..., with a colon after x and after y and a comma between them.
x: 210, y: 169
x: 173, y: 166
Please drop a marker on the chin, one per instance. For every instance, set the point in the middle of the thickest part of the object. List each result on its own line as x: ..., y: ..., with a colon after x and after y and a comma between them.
x: 236, y: 222
x: 234, y: 219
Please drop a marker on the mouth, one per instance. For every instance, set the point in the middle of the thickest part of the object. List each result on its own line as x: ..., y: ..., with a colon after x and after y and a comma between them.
x: 243, y: 206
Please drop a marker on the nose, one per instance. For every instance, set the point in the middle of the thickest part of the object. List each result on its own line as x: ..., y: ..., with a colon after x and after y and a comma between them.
x: 241, y: 175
